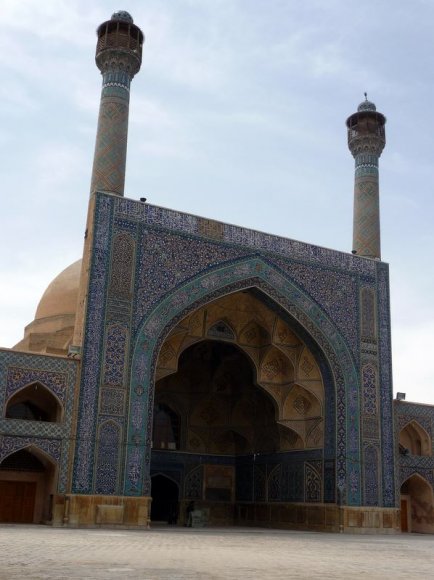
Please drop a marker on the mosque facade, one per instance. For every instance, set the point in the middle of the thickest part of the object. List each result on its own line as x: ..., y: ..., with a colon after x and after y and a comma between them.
x: 187, y: 370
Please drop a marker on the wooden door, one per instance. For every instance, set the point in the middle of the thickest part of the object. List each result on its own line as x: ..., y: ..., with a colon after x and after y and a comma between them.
x: 17, y: 501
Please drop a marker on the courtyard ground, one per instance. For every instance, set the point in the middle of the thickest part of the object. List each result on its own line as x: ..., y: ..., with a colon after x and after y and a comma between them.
x: 231, y: 553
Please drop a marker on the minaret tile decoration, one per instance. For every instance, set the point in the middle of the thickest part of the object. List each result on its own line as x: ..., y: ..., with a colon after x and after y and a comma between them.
x: 119, y: 57
x: 366, y: 141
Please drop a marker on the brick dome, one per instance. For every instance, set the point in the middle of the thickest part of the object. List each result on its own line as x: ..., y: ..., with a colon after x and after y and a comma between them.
x: 60, y: 297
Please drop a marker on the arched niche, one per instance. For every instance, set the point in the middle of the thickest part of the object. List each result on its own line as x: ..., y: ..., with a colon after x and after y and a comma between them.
x: 221, y: 330
x: 276, y: 368
x: 417, y: 507
x: 301, y: 404
x: 28, y: 480
x: 34, y: 402
x: 167, y: 428
x: 308, y: 321
x: 289, y: 439
x: 254, y: 335
x: 415, y: 439
x: 225, y: 410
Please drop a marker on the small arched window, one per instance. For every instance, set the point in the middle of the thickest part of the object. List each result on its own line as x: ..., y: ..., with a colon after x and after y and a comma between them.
x: 415, y: 440
x: 34, y: 403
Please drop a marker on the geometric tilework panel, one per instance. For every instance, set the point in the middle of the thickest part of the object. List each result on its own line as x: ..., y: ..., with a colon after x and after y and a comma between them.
x: 37, y: 428
x: 366, y: 238
x: 385, y: 387
x: 112, y: 401
x: 337, y: 292
x: 122, y: 264
x: 369, y: 381
x: 115, y: 355
x: 370, y: 428
x: 93, y: 347
x: 193, y: 483
x: 312, y: 486
x: 107, y: 463
x: 368, y: 313
x: 108, y: 172
x: 370, y: 454
x: 167, y: 260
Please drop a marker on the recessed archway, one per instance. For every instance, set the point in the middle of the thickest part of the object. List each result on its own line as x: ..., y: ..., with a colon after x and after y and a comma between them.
x: 27, y: 484
x: 248, y: 398
x: 415, y: 440
x: 226, y: 410
x: 417, y: 506
x: 304, y: 319
x: 34, y: 403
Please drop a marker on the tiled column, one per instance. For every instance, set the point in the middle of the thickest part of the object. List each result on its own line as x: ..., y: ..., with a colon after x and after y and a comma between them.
x: 366, y: 140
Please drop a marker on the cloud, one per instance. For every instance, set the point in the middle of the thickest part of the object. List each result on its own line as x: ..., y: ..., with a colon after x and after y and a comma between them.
x: 15, y: 98
x: 51, y: 19
x: 55, y: 165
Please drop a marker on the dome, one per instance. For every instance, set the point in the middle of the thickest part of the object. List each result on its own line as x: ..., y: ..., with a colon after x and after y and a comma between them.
x: 61, y: 295
x: 122, y: 15
x: 366, y: 105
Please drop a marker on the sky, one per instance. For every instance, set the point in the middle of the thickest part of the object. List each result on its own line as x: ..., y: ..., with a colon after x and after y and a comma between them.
x: 238, y: 114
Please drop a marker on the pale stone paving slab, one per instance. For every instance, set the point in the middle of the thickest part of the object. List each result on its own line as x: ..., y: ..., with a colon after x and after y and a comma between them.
x: 45, y: 553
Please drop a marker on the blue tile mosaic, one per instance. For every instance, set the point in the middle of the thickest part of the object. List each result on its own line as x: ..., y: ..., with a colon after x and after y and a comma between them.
x: 182, y: 262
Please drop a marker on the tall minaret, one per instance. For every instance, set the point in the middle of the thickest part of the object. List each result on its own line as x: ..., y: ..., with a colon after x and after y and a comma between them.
x: 118, y: 57
x: 366, y: 140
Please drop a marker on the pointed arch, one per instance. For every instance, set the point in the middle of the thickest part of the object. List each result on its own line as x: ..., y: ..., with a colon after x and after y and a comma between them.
x: 274, y: 484
x: 221, y: 330
x: 417, y: 504
x: 47, y: 447
x: 166, y: 476
x: 307, y: 319
x: 193, y: 483
x: 28, y: 480
x: 34, y: 402
x: 165, y: 498
x: 35, y: 450
x: 414, y: 438
x: 420, y: 478
x: 254, y: 334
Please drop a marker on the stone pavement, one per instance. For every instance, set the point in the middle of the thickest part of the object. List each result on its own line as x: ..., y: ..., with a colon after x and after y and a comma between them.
x: 38, y: 552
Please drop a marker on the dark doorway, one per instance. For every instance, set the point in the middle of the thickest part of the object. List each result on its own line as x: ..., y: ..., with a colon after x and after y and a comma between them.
x: 165, y: 495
